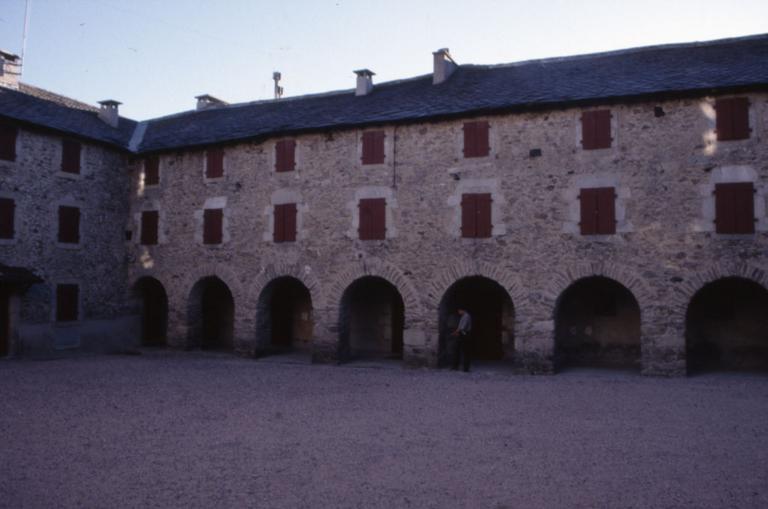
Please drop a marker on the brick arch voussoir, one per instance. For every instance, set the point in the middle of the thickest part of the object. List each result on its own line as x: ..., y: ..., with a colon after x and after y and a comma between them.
x: 274, y: 271
x: 561, y: 280
x: 460, y: 270
x: 384, y: 270
x: 144, y: 274
x: 685, y: 291
x: 228, y: 276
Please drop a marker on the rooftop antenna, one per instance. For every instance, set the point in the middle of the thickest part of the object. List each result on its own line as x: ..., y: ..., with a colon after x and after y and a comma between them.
x: 278, y: 89
x: 24, y: 32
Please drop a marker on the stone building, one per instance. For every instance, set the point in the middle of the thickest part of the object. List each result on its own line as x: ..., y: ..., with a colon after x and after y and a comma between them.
x: 605, y: 210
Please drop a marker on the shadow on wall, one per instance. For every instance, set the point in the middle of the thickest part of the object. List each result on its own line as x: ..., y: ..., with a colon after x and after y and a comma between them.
x: 371, y: 320
x: 493, y: 318
x: 726, y: 327
x: 597, y: 324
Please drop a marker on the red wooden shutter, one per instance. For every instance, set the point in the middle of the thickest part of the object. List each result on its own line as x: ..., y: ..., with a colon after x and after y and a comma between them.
x: 70, y: 156
x: 589, y: 211
x: 285, y: 155
x: 7, y: 213
x: 483, y: 215
x: 69, y: 225
x: 149, y: 225
x: 596, y: 129
x: 735, y: 207
x: 606, y: 210
x: 214, y: 167
x: 8, y: 134
x: 476, y: 139
x: 212, y: 226
x: 732, y: 118
x: 67, y: 297
x: 468, y: 208
x: 373, y: 147
x: 285, y: 223
x: 372, y: 219
x: 278, y: 233
x: 151, y: 171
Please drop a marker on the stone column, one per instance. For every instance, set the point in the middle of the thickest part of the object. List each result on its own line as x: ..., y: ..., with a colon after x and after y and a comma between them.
x: 325, y: 341
x: 535, y: 338
x: 416, y: 350
x: 663, y: 342
x: 177, y: 335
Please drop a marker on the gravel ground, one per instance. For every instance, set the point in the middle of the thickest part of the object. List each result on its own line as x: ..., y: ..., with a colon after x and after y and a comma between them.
x: 196, y: 430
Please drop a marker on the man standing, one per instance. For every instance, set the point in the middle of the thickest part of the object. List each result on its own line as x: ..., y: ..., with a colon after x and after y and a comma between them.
x: 462, y: 333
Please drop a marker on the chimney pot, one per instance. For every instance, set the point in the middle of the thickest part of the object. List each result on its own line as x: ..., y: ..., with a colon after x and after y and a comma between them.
x: 364, y: 81
x: 109, y: 112
x: 206, y: 101
x: 10, y: 70
x: 444, y: 66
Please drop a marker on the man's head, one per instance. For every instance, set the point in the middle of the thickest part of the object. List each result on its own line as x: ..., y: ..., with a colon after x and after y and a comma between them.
x: 461, y: 311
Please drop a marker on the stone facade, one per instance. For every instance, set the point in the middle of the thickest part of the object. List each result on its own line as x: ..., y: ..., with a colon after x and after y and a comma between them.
x: 663, y: 167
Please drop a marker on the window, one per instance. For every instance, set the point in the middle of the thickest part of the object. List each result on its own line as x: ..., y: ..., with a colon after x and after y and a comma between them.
x: 596, y: 129
x: 214, y: 163
x: 372, y: 219
x: 735, y: 208
x: 285, y: 223
x: 598, y: 211
x: 69, y: 225
x: 373, y: 147
x: 213, y: 220
x: 70, y: 156
x: 8, y: 134
x: 67, y: 305
x: 285, y: 155
x: 476, y: 139
x: 149, y: 223
x: 732, y: 118
x: 7, y: 213
x: 476, y: 215
x: 151, y: 171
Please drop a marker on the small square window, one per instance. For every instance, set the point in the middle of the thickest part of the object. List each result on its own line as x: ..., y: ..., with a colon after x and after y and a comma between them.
x: 732, y: 118
x: 151, y: 171
x: 7, y: 217
x: 214, y: 163
x: 596, y: 129
x: 598, y: 211
x: 476, y: 215
x: 476, y: 142
x: 70, y: 156
x: 373, y: 147
x: 8, y: 135
x: 285, y: 155
x: 735, y: 208
x: 285, y: 223
x: 213, y: 221
x: 69, y: 225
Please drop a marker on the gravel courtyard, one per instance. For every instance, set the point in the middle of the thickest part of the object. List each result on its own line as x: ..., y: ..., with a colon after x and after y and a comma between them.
x: 197, y: 430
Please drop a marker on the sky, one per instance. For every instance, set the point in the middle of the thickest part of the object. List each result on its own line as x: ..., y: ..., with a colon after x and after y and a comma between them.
x: 155, y: 56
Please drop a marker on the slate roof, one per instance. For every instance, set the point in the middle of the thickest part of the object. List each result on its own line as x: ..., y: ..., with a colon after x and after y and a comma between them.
x: 710, y: 66
x: 54, y: 114
x: 693, y: 68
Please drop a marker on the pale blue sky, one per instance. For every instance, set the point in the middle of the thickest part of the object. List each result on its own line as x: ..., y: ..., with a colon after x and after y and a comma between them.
x: 156, y: 55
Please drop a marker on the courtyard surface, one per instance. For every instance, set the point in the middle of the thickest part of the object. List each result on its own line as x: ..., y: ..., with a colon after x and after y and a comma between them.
x: 206, y: 430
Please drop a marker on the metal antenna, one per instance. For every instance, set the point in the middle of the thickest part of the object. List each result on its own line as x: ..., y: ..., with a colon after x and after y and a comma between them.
x: 278, y: 89
x: 24, y: 33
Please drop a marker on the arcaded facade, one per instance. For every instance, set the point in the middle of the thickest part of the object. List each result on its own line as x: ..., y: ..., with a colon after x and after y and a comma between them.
x: 625, y: 231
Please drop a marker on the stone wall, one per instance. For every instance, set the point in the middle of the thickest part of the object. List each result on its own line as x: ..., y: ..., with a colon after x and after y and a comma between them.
x: 663, y: 168
x: 97, y: 264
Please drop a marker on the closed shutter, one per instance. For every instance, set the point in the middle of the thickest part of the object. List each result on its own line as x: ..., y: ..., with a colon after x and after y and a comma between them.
x: 476, y: 142
x: 373, y: 147
x: 589, y: 211
x: 732, y: 118
x: 606, y: 211
x: 67, y: 302
x: 214, y: 167
x: 483, y: 224
x: 70, y: 156
x: 151, y: 171
x: 212, y: 226
x: 596, y: 129
x: 278, y: 233
x: 285, y: 155
x: 468, y: 208
x: 7, y: 213
x: 69, y: 225
x: 149, y: 226
x: 735, y: 208
x: 8, y: 134
x: 372, y: 219
x: 285, y: 223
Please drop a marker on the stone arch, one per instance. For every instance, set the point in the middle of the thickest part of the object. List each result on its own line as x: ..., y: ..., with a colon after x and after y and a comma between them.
x: 384, y: 270
x: 302, y: 273
x: 153, y: 309
x: 228, y: 276
x: 284, y: 317
x: 686, y: 290
x: 504, y: 277
x: 211, y: 309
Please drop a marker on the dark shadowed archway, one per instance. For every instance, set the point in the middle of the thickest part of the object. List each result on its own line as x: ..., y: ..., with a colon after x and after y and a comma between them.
x: 371, y: 320
x: 493, y: 319
x: 597, y: 324
x: 726, y: 326
x: 5, y: 322
x: 211, y: 315
x: 284, y: 319
x: 153, y: 302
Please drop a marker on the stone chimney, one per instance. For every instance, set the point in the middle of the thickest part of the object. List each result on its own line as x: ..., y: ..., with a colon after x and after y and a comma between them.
x: 364, y: 81
x: 10, y: 70
x: 109, y: 112
x: 206, y: 102
x: 443, y: 66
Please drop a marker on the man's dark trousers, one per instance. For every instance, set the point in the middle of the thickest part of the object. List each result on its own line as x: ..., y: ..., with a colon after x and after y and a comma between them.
x: 462, y: 350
